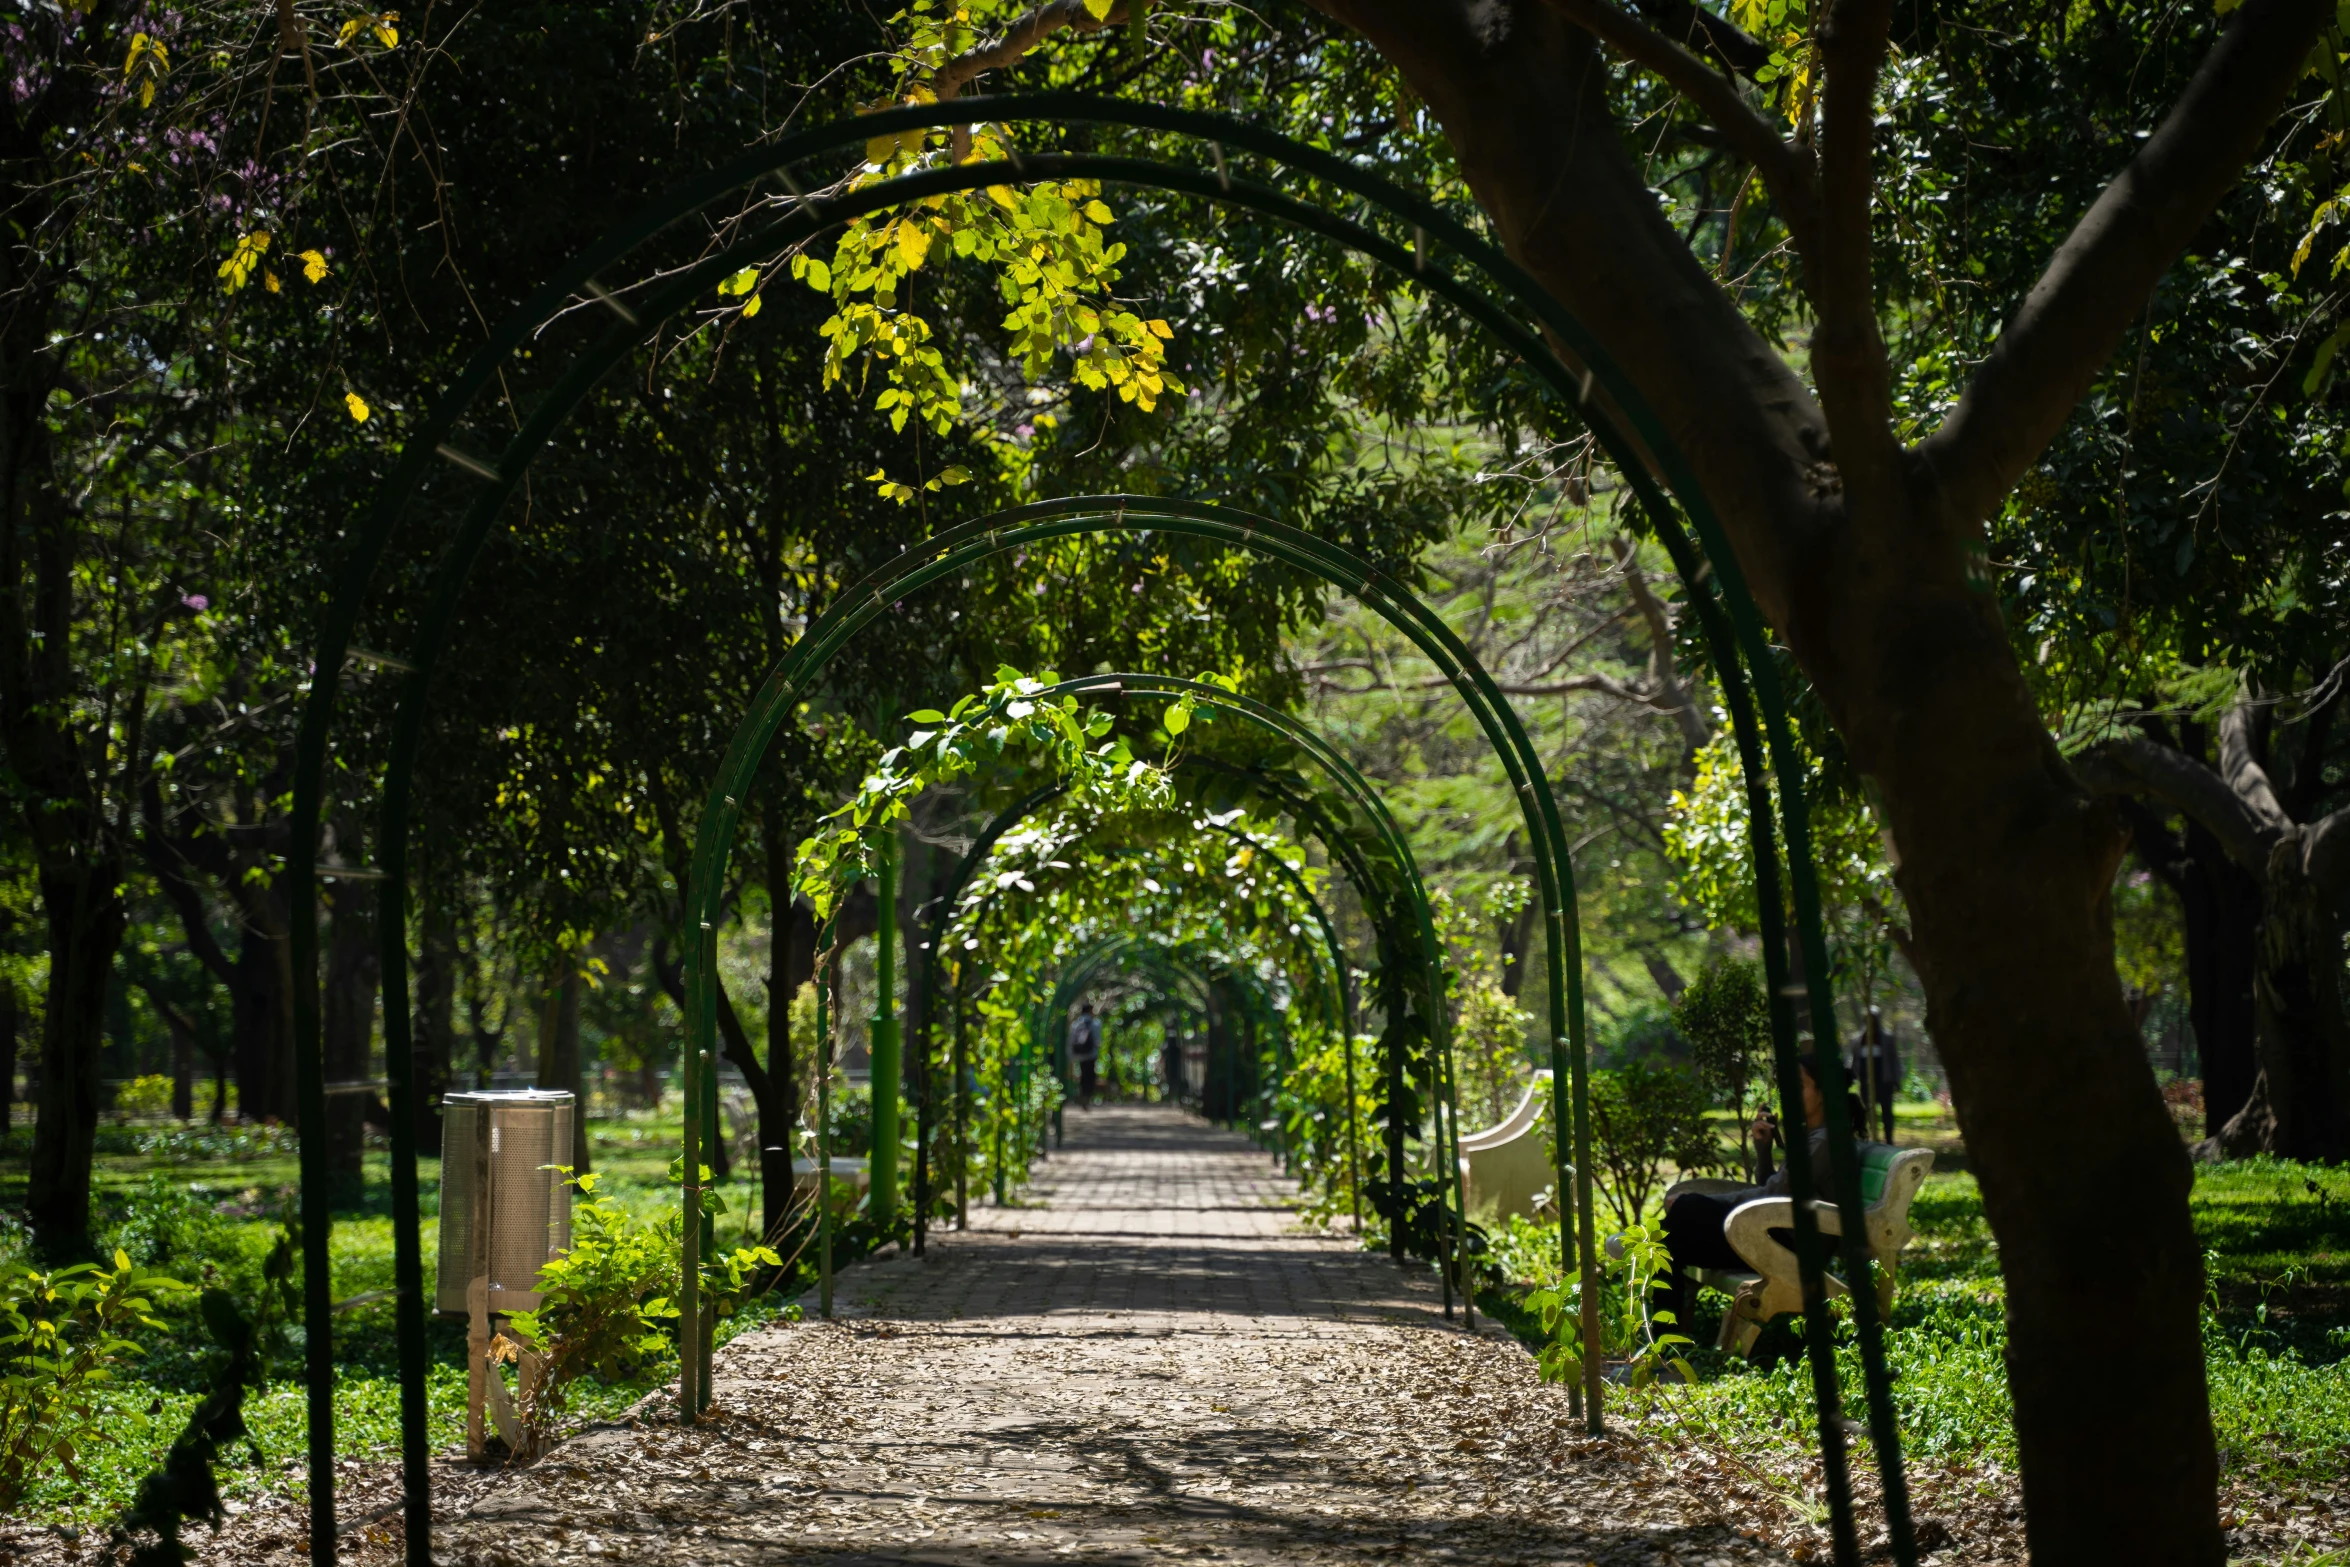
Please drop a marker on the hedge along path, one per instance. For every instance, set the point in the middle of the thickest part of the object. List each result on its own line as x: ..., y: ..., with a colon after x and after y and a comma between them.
x: 1730, y: 622
x: 1147, y: 1361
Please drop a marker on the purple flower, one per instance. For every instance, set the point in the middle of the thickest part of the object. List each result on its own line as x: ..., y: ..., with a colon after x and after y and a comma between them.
x: 196, y: 601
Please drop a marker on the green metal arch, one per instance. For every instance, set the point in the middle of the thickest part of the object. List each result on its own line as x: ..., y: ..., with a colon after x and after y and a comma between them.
x: 1337, y: 991
x: 1735, y: 614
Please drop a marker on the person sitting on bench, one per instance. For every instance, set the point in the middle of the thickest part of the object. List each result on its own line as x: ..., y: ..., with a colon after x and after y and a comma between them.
x: 1694, y: 1220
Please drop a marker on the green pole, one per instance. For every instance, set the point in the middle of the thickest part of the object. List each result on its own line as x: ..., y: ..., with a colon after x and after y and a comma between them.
x: 824, y: 1118
x: 887, y: 1040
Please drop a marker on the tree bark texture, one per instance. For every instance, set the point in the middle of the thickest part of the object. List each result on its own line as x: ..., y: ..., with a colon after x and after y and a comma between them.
x: 559, y: 1064
x: 262, y: 1009
x: 2223, y: 910
x: 433, y: 1059
x: 10, y: 1022
x: 354, y: 971
x: 86, y: 920
x: 2296, y: 1101
x: 1864, y: 557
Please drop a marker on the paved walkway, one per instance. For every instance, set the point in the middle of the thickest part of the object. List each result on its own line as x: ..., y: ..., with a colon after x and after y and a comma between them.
x: 1147, y: 1361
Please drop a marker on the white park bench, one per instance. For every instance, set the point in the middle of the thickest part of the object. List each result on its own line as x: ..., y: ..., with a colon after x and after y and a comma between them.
x: 1506, y: 1167
x: 1889, y: 1181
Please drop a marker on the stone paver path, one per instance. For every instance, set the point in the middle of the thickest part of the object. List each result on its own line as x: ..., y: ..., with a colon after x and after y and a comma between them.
x: 1148, y: 1361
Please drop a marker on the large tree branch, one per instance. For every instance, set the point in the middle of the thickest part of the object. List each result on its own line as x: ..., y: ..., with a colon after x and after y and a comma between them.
x: 2239, y: 764
x: 2107, y: 267
x: 1700, y: 31
x: 1023, y: 35
x: 2140, y: 766
x: 1848, y: 350
x: 1664, y: 676
x: 1609, y: 685
x: 1786, y: 171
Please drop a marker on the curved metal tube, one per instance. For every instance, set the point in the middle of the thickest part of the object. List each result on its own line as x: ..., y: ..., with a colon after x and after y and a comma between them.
x: 806, y: 219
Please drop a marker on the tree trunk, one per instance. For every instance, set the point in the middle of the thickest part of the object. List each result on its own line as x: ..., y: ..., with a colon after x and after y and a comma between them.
x: 1858, y: 555
x: 8, y: 1028
x: 354, y: 970
x: 2300, y: 1101
x: 263, y: 1012
x: 86, y: 916
x: 434, y: 1043
x: 559, y: 1063
x: 183, y: 1065
x: 2222, y: 906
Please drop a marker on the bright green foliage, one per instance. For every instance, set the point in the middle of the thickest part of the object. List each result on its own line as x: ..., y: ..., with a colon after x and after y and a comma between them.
x: 1789, y: 78
x: 1645, y: 1115
x: 61, y: 1337
x: 143, y: 1098
x: 1005, y: 715
x: 2277, y: 1364
x: 1725, y: 1017
x: 1489, y: 1027
x: 1054, y: 270
x: 608, y: 1301
x: 1705, y: 833
x: 1644, y: 1337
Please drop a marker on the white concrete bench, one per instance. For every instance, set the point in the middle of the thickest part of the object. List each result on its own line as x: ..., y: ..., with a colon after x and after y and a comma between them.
x: 1890, y: 1178
x: 1505, y: 1166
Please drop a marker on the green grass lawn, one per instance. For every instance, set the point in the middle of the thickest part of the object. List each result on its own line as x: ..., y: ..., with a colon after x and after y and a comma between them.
x: 207, y: 1206
x: 2276, y: 1338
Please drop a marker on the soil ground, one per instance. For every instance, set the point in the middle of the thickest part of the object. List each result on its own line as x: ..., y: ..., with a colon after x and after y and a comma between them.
x: 1150, y: 1361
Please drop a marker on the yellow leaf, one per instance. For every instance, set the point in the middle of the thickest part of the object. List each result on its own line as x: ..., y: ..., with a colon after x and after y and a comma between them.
x: 269, y: 280
x: 313, y: 265
x: 1098, y: 211
x: 1161, y: 329
x: 819, y: 276
x: 913, y: 245
x: 147, y: 92
x: 1099, y: 10
x: 357, y: 405
x: 741, y: 282
x: 122, y: 1260
x: 385, y: 32
x: 238, y: 268
x: 751, y: 306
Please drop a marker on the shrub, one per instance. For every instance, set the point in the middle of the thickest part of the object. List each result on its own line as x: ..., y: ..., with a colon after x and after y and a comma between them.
x: 1726, y: 1019
x: 143, y: 1098
x: 1644, y: 1115
x: 1645, y: 1339
x: 608, y: 1302
x: 61, y: 1335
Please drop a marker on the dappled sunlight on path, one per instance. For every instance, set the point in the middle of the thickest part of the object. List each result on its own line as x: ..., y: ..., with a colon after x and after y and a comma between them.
x: 1148, y: 1360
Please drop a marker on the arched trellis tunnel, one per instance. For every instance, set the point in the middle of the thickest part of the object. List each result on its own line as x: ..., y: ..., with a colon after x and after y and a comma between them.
x: 946, y: 908
x: 947, y: 904
x: 1380, y: 900
x: 945, y: 556
x: 1727, y: 618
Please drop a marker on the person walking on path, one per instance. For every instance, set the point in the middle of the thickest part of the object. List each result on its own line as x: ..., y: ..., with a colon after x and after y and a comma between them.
x: 1085, y: 1050
x: 1876, y: 1069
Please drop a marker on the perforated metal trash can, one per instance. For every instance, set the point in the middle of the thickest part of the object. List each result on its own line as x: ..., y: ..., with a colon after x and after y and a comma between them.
x: 511, y: 1137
